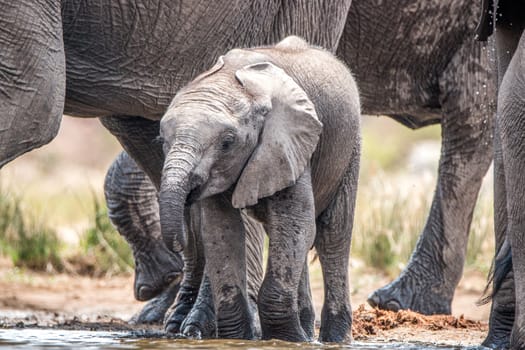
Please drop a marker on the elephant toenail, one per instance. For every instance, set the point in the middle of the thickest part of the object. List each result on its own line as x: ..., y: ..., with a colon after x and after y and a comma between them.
x: 192, y: 332
x: 393, y: 306
x: 172, y: 328
x: 374, y: 300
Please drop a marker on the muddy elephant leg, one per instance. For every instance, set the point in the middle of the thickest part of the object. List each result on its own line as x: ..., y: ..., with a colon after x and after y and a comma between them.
x: 200, y: 322
x: 224, y: 238
x: 133, y: 208
x: 139, y: 138
x: 511, y: 116
x: 32, y: 75
x: 428, y: 282
x: 194, y: 262
x: 290, y: 223
x: 305, y: 305
x: 255, y: 235
x: 503, y: 301
x: 333, y: 241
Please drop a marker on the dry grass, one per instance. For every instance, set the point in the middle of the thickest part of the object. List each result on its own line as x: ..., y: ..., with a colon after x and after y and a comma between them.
x: 391, y: 213
x: 393, y: 198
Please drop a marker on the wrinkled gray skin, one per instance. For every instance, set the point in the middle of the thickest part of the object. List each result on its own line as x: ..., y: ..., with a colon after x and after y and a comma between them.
x: 132, y: 202
x: 243, y: 135
x: 417, y: 61
x: 507, y: 319
x: 440, y: 75
x: 124, y: 61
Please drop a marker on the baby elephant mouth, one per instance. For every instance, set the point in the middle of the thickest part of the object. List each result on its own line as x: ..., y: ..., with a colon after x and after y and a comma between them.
x: 194, y: 195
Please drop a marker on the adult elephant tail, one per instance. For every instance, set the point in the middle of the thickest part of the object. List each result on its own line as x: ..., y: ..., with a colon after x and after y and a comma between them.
x: 486, y: 22
x: 501, y: 267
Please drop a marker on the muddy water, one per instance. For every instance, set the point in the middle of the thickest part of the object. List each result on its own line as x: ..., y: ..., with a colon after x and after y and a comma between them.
x: 95, y: 340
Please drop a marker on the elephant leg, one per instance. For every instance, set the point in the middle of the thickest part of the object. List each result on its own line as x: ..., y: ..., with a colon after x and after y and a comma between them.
x: 511, y: 116
x: 428, y: 282
x: 133, y: 208
x: 32, y: 75
x: 290, y: 223
x: 305, y: 305
x: 333, y: 241
x: 503, y: 299
x: 224, y: 240
x: 200, y: 322
x: 139, y: 138
x: 503, y: 306
x: 255, y: 235
x: 194, y: 262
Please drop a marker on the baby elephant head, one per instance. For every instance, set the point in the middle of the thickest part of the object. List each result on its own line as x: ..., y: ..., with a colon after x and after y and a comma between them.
x: 251, y: 129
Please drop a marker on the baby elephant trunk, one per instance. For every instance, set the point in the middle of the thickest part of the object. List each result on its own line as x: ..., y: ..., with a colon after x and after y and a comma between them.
x: 174, y: 190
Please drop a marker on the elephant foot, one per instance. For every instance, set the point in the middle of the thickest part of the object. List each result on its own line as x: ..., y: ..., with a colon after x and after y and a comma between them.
x: 307, y: 318
x: 154, y: 311
x: 517, y: 339
x: 336, y: 327
x: 178, y: 311
x: 291, y: 332
x: 200, y: 322
x: 407, y: 293
x: 501, y: 322
x: 284, y: 326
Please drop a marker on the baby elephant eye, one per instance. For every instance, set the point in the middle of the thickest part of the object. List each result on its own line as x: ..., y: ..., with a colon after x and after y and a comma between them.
x: 227, y: 142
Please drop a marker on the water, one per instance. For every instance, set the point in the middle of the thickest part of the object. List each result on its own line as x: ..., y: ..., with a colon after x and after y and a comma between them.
x: 20, y: 339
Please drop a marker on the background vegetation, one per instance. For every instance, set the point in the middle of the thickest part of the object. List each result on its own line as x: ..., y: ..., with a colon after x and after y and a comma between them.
x: 53, y: 217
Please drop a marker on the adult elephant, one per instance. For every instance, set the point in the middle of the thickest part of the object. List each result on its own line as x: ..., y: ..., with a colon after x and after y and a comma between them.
x: 418, y: 62
x: 507, y: 317
x: 123, y: 61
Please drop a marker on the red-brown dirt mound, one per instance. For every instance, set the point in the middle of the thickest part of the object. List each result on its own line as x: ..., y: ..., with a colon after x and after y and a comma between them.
x: 373, y: 322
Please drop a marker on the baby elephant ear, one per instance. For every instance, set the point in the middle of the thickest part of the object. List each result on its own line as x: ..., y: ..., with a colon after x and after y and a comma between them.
x: 289, y: 137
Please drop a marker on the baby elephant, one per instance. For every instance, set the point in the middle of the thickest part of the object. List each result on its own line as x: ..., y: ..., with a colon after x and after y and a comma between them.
x: 274, y: 130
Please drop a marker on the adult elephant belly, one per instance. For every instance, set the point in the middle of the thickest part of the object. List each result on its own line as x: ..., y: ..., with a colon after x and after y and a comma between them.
x: 399, y: 52
x: 127, y: 58
x: 130, y: 59
x: 418, y: 62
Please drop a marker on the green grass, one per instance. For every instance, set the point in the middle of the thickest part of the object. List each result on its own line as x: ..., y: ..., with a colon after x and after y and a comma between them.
x: 26, y: 239
x: 30, y: 243
x: 103, y: 247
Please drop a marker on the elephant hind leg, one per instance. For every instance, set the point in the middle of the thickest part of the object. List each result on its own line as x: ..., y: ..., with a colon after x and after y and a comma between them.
x: 333, y: 238
x: 428, y: 282
x: 511, y: 116
x: 305, y: 306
